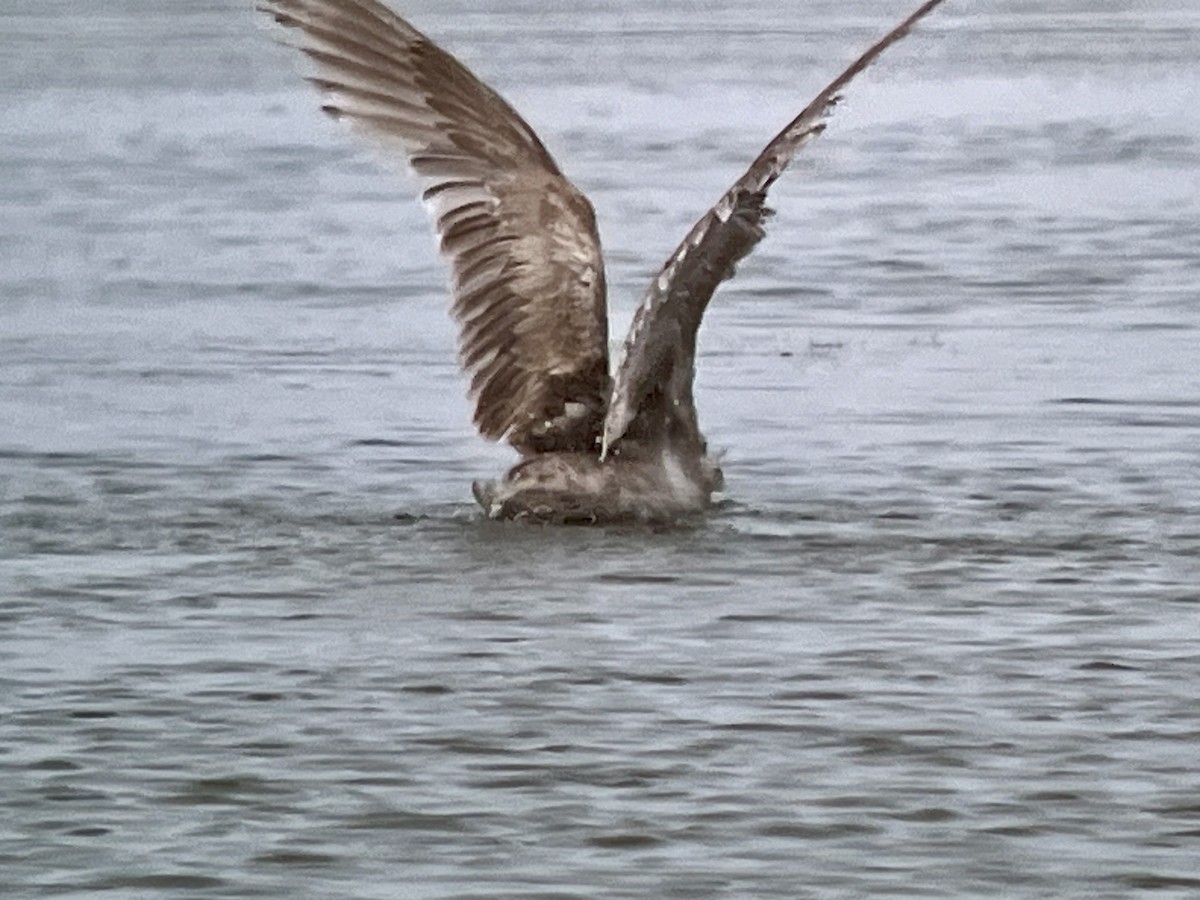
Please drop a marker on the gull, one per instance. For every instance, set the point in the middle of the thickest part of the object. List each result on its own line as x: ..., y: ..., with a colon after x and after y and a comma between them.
x: 527, y: 273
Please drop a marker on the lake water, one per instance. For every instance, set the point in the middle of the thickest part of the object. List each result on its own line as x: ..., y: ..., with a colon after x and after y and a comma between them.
x: 941, y: 639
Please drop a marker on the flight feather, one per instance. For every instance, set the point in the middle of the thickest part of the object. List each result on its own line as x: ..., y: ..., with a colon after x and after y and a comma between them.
x: 527, y: 270
x: 653, y: 383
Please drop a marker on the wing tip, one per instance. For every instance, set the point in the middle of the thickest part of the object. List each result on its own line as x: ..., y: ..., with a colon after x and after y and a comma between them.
x: 275, y: 9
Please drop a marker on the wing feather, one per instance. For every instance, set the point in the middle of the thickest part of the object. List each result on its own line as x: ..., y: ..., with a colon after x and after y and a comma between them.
x: 527, y: 271
x: 654, y: 379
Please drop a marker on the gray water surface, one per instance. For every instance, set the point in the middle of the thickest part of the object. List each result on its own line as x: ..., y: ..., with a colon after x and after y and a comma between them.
x: 939, y: 640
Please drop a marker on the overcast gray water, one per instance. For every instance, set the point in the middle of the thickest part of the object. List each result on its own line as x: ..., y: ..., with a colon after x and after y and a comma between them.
x: 941, y: 639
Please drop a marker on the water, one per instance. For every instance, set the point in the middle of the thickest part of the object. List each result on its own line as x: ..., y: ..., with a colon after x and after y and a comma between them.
x: 940, y: 640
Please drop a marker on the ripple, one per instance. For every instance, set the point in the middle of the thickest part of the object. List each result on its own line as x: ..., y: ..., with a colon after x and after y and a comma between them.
x: 257, y: 641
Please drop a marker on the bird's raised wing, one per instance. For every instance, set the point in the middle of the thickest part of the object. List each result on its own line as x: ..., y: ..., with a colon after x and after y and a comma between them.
x: 654, y: 380
x: 528, y: 276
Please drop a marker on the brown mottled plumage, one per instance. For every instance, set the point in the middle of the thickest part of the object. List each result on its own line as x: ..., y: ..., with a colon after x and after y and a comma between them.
x: 528, y: 274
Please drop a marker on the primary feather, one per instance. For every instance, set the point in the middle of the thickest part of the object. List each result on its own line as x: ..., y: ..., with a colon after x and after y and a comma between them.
x: 661, y: 342
x: 528, y: 275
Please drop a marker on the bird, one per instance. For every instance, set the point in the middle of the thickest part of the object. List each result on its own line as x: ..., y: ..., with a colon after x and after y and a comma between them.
x: 597, y: 443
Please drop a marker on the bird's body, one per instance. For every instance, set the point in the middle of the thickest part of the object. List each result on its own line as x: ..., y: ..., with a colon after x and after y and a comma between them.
x: 643, y: 484
x: 528, y: 273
